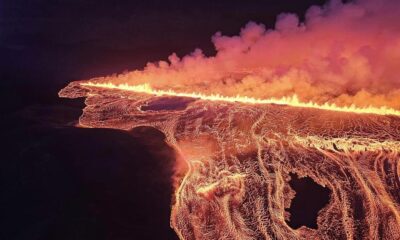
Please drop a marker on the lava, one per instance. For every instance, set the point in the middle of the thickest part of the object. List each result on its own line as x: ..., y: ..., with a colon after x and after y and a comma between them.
x: 239, y: 158
x: 291, y: 101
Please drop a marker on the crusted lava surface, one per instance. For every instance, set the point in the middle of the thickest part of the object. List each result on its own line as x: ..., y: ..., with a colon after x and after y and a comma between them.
x: 241, y: 158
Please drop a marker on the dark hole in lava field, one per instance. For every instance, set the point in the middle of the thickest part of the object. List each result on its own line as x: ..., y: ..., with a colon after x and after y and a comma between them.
x: 309, y: 200
x: 168, y: 103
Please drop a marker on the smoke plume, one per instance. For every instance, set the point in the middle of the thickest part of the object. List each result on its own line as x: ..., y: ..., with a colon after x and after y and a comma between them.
x: 343, y: 53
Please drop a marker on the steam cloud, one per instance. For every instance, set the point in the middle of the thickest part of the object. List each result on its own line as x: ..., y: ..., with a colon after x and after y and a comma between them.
x: 343, y: 53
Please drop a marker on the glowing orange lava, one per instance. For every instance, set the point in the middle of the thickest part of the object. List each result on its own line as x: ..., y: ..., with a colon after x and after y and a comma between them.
x: 239, y: 158
x: 290, y: 101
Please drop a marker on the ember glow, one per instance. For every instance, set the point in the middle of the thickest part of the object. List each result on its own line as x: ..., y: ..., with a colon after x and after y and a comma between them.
x: 319, y: 99
x: 291, y: 101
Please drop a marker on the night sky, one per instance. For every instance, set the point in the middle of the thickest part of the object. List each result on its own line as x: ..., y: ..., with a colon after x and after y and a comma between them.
x: 62, y: 182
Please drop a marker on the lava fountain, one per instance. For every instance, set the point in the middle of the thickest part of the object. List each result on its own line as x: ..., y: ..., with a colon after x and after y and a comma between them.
x: 240, y: 141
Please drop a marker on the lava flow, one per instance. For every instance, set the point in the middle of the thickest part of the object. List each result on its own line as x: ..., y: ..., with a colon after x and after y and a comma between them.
x: 240, y: 157
x: 291, y: 101
x: 323, y: 103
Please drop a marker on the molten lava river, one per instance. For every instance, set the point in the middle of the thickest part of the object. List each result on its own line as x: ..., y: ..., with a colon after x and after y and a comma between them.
x: 236, y: 160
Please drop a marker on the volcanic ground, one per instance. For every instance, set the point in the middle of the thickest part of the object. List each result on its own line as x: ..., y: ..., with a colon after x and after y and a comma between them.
x: 242, y: 170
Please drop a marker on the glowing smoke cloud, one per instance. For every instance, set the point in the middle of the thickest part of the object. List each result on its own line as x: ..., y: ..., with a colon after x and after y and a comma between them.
x: 343, y: 53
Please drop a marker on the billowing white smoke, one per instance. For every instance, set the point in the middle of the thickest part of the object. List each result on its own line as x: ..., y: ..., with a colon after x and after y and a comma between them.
x: 342, y: 53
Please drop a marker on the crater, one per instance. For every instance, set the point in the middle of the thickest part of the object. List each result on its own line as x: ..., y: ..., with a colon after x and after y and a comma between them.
x: 168, y: 103
x: 310, y: 198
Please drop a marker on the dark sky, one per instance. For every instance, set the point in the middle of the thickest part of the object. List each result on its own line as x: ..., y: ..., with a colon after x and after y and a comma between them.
x: 58, y: 41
